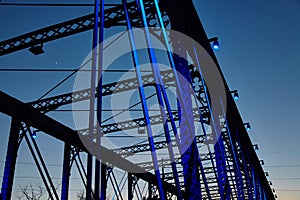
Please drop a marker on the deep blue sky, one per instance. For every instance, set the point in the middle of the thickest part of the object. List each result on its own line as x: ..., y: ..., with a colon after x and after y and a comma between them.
x: 259, y: 56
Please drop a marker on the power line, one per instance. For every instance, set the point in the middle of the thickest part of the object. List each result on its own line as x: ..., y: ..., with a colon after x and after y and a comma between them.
x: 29, y: 163
x: 53, y: 4
x: 63, y: 70
x: 38, y: 177
x: 282, y: 166
x: 287, y: 190
x: 297, y: 178
x: 37, y: 70
x: 107, y: 110
x: 287, y: 151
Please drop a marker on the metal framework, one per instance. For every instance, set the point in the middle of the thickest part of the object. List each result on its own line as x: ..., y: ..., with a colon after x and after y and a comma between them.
x: 212, y: 167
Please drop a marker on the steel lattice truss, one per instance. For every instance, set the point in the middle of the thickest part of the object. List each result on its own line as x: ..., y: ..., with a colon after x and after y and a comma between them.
x: 114, y: 16
x: 228, y: 166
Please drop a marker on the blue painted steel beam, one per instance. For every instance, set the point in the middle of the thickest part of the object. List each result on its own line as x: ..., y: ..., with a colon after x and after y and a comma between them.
x: 103, y: 181
x: 232, y: 147
x: 99, y: 99
x: 92, y: 97
x: 247, y: 171
x: 224, y: 187
x: 161, y: 95
x: 10, y: 161
x: 144, y: 103
x: 66, y: 172
x: 190, y: 158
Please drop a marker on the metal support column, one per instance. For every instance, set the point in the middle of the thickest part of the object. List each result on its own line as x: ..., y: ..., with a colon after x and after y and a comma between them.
x: 10, y: 162
x: 103, y: 182
x: 89, y: 176
x: 187, y: 129
x: 97, y: 179
x: 92, y: 98
x: 99, y: 99
x: 130, y: 183
x: 144, y: 102
x: 224, y: 187
x: 66, y: 172
x: 150, y: 190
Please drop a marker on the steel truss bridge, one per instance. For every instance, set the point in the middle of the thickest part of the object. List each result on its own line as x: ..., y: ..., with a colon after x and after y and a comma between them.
x: 219, y: 162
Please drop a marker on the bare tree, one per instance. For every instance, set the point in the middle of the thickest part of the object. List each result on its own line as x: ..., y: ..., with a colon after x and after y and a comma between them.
x: 36, y: 192
x: 32, y: 193
x: 81, y: 195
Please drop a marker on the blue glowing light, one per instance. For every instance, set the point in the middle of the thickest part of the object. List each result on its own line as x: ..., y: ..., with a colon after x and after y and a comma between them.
x: 236, y: 96
x: 248, y: 126
x: 216, y: 45
x: 33, y: 135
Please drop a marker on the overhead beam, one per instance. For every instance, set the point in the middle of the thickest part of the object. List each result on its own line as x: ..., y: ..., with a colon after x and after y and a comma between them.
x: 52, y: 103
x: 140, y: 122
x: 130, y: 150
x: 113, y: 16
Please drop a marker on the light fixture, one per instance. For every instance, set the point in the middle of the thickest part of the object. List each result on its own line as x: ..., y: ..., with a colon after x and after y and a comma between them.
x: 141, y: 129
x: 255, y: 146
x: 235, y: 94
x: 267, y: 174
x: 270, y: 182
x: 262, y: 162
x: 273, y: 190
x: 248, y: 126
x: 37, y: 49
x: 216, y: 44
x: 275, y: 196
x: 33, y: 134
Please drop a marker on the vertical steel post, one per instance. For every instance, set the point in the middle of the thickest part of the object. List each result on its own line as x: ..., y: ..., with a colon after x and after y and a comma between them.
x: 103, y: 181
x: 161, y: 95
x: 130, y: 183
x: 149, y: 190
x: 232, y: 147
x: 89, y: 177
x: 254, y: 184
x: 97, y: 179
x: 170, y: 56
x: 248, y: 172
x: 190, y: 158
x: 99, y: 99
x: 224, y: 187
x: 10, y: 162
x: 259, y: 190
x: 187, y: 130
x: 144, y: 103
x: 92, y: 99
x: 66, y: 172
